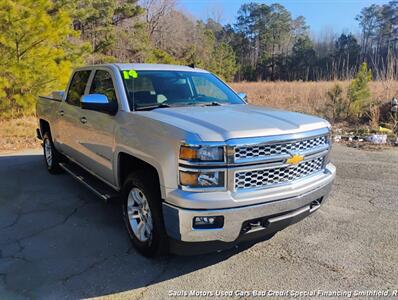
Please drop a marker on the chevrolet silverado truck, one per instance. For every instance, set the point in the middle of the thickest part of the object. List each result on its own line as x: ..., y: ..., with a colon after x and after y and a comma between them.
x: 196, y: 167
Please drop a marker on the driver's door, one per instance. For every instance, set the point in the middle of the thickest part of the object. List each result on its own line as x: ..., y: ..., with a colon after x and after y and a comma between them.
x: 96, y: 136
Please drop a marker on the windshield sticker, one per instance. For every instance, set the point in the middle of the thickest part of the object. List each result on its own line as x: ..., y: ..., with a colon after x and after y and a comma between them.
x: 130, y: 73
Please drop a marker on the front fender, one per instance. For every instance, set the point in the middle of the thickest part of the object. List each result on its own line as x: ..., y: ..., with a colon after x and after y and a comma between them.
x: 151, y: 141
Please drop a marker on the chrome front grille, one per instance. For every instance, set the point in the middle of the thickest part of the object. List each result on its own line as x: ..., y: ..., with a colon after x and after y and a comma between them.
x: 252, y: 179
x: 264, y: 151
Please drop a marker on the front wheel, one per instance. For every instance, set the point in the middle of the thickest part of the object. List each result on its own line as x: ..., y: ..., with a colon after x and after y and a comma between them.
x: 51, y: 155
x: 142, y: 214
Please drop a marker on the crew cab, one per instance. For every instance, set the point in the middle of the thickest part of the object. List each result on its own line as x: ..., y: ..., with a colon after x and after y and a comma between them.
x: 196, y: 167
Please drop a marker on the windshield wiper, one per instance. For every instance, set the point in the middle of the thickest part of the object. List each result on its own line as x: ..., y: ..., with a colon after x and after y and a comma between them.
x: 160, y: 105
x: 214, y: 103
x: 208, y: 103
x: 163, y: 105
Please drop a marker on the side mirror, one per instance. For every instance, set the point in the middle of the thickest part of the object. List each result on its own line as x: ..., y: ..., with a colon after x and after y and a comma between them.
x: 243, y: 96
x: 98, y: 102
x: 58, y: 95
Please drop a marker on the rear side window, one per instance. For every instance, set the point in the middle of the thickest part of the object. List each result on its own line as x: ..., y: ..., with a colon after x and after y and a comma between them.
x: 77, y: 87
x: 103, y: 84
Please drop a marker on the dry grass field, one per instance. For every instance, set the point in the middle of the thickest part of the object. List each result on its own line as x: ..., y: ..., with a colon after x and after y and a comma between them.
x: 309, y: 97
x: 18, y: 134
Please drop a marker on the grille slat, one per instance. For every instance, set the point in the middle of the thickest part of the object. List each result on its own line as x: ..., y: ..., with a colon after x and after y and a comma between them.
x: 273, y: 176
x: 262, y: 151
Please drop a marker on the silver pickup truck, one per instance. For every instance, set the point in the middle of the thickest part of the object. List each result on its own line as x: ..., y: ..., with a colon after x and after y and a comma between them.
x: 196, y: 168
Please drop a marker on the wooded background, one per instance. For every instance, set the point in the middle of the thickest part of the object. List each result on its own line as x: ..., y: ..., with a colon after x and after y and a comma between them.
x: 41, y: 40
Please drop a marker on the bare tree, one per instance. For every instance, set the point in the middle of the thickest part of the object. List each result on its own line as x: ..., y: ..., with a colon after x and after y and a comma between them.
x: 215, y: 12
x: 155, y: 11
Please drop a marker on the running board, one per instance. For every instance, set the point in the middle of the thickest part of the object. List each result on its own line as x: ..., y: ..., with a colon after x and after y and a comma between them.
x: 100, y: 188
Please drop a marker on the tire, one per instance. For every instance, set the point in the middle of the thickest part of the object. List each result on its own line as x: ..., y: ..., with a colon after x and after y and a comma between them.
x: 52, y: 157
x: 151, y: 239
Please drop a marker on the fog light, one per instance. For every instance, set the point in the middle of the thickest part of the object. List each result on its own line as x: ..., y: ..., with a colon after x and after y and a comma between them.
x: 209, y: 222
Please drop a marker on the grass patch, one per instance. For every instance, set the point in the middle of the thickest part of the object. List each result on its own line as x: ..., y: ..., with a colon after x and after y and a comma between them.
x: 307, y: 97
x: 18, y: 134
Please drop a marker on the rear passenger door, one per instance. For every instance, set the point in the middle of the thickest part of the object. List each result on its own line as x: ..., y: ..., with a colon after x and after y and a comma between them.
x: 96, y: 131
x: 69, y: 115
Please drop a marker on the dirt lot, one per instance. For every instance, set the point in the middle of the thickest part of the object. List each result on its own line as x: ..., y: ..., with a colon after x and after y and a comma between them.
x: 58, y: 241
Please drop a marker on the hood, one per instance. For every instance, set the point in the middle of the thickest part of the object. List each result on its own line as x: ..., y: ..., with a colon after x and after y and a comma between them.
x: 221, y: 123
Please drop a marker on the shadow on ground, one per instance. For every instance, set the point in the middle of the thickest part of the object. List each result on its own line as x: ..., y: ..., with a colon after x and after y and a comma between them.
x: 57, y: 240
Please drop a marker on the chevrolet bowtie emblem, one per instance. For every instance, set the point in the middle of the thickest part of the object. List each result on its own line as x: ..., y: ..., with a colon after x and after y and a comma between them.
x: 295, y: 159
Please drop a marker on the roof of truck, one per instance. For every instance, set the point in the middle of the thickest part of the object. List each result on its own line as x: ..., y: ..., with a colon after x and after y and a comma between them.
x: 152, y: 67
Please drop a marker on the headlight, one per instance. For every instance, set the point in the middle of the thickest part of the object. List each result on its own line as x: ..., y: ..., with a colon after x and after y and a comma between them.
x: 202, y: 153
x: 199, y: 179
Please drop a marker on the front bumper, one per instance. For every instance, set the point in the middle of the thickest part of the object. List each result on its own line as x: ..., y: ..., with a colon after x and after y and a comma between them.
x: 274, y: 216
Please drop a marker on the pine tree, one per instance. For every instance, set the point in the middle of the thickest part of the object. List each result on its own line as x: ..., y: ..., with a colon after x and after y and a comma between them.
x: 336, y: 104
x: 35, y: 56
x: 215, y: 56
x: 359, y: 92
x: 98, y: 22
x: 302, y: 58
x: 223, y: 61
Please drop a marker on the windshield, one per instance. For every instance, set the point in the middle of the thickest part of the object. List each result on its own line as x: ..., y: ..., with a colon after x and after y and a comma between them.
x: 153, y: 89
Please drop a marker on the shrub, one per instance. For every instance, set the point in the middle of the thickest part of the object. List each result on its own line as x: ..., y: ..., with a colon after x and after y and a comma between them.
x: 374, y: 116
x: 336, y: 104
x: 359, y: 93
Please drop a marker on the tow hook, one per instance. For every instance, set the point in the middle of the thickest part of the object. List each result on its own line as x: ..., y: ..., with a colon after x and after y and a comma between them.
x: 315, y: 205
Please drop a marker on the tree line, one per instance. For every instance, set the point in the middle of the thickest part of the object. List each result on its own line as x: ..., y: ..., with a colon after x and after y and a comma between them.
x: 41, y: 40
x: 271, y: 45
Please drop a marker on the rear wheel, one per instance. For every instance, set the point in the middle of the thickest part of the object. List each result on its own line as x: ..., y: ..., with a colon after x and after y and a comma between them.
x: 142, y: 214
x: 51, y: 156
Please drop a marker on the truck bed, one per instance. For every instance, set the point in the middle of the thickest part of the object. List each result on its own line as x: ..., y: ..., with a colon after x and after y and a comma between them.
x: 47, y: 108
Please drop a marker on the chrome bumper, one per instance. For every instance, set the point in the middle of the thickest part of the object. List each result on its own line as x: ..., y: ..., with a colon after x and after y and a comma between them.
x: 179, y: 221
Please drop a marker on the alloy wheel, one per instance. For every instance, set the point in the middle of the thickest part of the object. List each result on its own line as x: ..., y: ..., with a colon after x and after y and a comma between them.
x: 139, y: 215
x: 48, y: 153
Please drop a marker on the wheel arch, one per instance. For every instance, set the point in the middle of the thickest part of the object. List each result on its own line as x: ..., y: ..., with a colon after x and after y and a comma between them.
x: 44, y: 127
x: 128, y: 163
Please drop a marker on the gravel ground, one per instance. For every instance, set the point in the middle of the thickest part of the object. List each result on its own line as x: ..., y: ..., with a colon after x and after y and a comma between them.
x: 58, y: 241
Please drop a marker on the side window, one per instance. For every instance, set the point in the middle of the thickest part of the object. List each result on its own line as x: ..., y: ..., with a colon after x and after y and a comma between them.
x: 103, y: 84
x: 77, y: 87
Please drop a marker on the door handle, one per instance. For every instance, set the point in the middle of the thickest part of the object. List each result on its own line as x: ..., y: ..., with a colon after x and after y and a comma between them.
x: 61, y: 113
x: 83, y: 120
